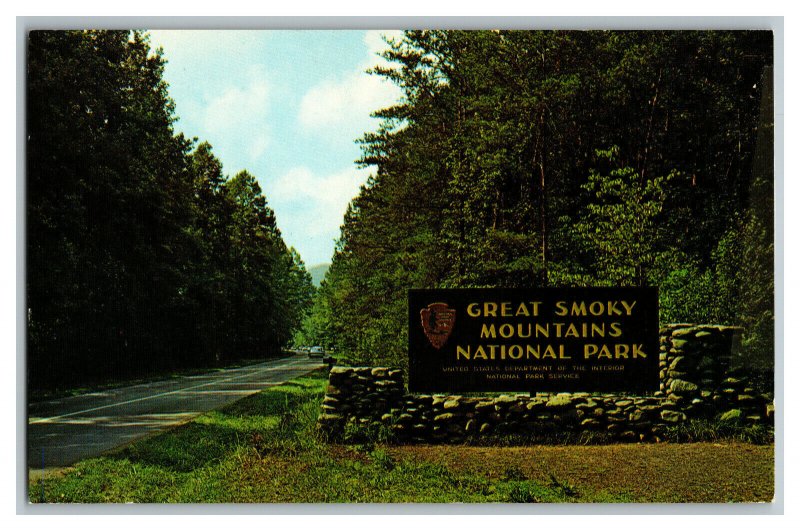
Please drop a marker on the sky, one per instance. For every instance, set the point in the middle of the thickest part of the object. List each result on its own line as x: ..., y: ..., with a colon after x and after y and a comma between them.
x: 287, y: 106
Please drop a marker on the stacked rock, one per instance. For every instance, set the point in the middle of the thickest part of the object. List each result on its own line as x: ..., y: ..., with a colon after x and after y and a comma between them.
x: 693, y: 361
x: 696, y: 382
x: 360, y: 396
x: 454, y: 419
x: 738, y: 401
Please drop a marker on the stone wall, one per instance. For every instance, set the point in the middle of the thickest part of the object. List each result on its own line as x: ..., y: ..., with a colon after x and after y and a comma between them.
x: 697, y: 381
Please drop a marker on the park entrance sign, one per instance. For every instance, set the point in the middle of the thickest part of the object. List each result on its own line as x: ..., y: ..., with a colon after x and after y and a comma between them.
x: 545, y: 339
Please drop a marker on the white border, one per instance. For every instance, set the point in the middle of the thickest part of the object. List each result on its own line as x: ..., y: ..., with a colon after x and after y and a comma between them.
x: 615, y: 22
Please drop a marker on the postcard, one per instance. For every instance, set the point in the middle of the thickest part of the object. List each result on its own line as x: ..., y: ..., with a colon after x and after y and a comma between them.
x: 419, y: 266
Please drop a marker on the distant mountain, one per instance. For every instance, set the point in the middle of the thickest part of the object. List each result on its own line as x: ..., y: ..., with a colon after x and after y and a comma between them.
x: 317, y: 273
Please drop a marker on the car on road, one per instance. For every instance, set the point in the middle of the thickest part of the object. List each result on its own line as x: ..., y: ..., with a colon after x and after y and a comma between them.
x: 316, y: 352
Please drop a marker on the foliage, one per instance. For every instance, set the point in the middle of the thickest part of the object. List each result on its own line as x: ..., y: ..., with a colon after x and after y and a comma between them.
x: 495, y: 170
x: 717, y: 430
x: 141, y: 254
x: 687, y: 294
x: 621, y: 224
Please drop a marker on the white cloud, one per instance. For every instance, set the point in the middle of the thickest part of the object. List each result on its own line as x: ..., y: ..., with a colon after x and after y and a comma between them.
x: 345, y: 104
x: 205, y: 43
x: 238, y: 106
x: 310, y: 206
x: 241, y: 112
x: 258, y: 146
x: 330, y: 192
x: 268, y: 123
x: 222, y: 94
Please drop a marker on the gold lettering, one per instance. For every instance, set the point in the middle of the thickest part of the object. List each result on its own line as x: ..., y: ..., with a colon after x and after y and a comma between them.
x: 491, y: 351
x: 605, y: 352
x: 597, y: 308
x: 488, y: 331
x: 561, y: 308
x: 628, y: 307
x: 542, y: 330
x: 562, y: 354
x: 637, y: 350
x: 460, y: 352
x: 579, y: 309
x: 472, y: 310
x: 589, y: 350
x: 572, y: 331
x: 621, y: 351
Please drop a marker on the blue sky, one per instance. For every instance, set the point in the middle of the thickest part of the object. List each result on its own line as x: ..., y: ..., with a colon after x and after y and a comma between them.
x: 288, y: 107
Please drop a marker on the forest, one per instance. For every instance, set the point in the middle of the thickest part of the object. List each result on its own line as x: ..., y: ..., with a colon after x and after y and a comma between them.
x: 513, y: 159
x: 563, y: 158
x: 141, y: 253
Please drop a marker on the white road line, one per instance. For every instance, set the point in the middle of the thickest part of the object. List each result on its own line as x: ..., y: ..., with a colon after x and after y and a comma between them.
x: 50, y: 419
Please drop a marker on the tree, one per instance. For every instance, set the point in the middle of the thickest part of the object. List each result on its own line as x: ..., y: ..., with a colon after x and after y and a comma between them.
x: 621, y: 225
x: 481, y: 170
x: 105, y: 212
x: 141, y: 254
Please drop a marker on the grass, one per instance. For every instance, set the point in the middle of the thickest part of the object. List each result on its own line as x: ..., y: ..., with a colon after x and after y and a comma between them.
x: 265, y: 448
x: 657, y: 473
x: 718, y: 430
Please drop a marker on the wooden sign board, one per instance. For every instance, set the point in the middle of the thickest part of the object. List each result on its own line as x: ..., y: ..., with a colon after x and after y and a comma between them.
x: 544, y: 339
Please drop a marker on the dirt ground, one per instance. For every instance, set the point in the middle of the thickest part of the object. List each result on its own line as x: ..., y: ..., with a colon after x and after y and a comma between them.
x: 696, y: 472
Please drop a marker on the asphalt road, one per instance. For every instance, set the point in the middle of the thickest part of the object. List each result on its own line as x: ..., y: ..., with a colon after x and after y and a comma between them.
x: 63, y: 431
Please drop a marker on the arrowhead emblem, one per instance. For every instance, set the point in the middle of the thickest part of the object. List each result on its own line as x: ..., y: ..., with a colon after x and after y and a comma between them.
x: 437, y: 322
